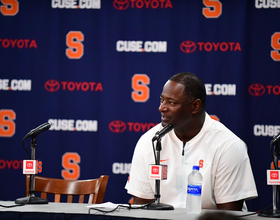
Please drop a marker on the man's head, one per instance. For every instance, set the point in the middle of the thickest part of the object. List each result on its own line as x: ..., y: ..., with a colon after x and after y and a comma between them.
x: 194, y: 86
x: 182, y: 101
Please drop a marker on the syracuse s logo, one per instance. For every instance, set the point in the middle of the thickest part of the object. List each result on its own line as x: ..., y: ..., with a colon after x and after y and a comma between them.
x: 275, y: 44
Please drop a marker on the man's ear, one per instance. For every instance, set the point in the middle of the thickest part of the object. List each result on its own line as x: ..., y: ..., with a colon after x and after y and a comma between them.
x: 196, y: 106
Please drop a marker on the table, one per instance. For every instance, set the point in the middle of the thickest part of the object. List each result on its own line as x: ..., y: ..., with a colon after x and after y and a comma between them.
x: 80, y: 211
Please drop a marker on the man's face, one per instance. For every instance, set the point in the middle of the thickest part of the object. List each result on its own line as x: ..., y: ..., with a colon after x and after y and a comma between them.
x: 175, y: 107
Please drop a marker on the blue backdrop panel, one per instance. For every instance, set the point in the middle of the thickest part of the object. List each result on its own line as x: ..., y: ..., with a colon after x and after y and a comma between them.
x: 94, y: 69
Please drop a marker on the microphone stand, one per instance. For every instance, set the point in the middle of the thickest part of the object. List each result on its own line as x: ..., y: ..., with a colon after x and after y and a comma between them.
x: 32, y: 199
x: 157, y: 205
x: 275, y: 213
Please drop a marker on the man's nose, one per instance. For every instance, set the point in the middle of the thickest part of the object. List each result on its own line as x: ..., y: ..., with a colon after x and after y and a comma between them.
x: 162, y: 107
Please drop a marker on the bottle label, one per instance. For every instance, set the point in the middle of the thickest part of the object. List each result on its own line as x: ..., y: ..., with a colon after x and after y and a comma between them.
x: 194, y: 190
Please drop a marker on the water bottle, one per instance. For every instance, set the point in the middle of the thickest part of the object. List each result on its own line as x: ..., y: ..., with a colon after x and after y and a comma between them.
x: 193, y: 203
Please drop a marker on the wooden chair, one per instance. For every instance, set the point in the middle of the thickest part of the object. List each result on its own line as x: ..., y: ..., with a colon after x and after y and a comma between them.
x: 94, y: 188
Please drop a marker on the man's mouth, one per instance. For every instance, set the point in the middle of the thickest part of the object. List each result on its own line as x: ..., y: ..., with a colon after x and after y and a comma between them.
x: 164, y: 118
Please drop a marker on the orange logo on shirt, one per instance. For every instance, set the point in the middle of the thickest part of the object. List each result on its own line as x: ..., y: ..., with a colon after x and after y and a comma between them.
x: 201, y: 164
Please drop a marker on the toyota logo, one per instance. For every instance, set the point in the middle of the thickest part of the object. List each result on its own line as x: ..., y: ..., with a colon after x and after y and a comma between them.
x: 29, y: 165
x: 155, y: 170
x: 121, y: 4
x: 256, y: 89
x: 117, y: 126
x: 52, y: 85
x: 188, y: 46
x: 274, y: 175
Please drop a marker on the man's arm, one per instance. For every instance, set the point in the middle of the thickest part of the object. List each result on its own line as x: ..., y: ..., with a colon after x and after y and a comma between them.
x: 236, y: 206
x: 137, y: 200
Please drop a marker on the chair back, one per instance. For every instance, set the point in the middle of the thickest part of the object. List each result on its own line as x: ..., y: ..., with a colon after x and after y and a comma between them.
x: 94, y: 188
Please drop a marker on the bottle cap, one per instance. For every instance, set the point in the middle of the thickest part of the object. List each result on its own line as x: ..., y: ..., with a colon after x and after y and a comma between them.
x: 195, y: 167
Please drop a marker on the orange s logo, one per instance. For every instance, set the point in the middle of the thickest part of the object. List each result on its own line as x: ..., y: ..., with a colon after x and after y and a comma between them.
x: 215, y: 117
x: 275, y: 44
x: 201, y: 163
x: 141, y: 91
x: 10, y: 7
x: 71, y: 167
x: 39, y: 166
x: 76, y: 48
x: 7, y: 125
x: 213, y: 8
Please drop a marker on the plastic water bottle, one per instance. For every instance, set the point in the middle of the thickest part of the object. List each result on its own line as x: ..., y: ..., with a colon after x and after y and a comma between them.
x: 193, y: 203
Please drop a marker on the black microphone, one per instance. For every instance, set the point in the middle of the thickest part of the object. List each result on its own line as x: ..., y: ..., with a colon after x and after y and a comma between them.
x: 275, y: 139
x: 34, y: 132
x: 163, y: 132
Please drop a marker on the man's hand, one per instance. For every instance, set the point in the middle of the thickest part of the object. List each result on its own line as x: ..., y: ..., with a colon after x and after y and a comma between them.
x: 137, y: 200
x: 237, y: 205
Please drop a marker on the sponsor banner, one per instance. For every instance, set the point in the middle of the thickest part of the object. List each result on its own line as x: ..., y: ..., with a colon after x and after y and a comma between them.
x: 15, y: 84
x: 266, y: 130
x: 190, y: 46
x: 267, y: 4
x: 11, y: 164
x: 119, y: 126
x: 121, y: 168
x: 18, y: 43
x: 88, y: 66
x: 140, y: 46
x: 220, y: 89
x: 142, y: 4
x: 53, y: 85
x: 73, y: 125
x: 76, y: 4
x: 258, y: 89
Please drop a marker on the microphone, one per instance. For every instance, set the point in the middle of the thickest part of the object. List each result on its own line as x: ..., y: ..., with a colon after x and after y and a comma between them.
x: 34, y: 132
x: 163, y: 132
x: 275, y: 139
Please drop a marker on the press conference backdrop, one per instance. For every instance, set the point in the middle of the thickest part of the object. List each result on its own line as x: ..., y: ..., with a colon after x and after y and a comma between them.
x: 94, y: 69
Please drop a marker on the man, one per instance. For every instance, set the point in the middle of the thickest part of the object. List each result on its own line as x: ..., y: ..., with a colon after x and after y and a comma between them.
x: 195, y: 140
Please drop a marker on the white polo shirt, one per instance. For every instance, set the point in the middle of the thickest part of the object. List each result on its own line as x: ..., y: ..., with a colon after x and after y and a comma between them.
x: 221, y: 155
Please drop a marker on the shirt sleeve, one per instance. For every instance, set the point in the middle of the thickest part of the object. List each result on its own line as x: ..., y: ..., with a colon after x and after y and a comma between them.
x: 138, y: 183
x: 234, y: 178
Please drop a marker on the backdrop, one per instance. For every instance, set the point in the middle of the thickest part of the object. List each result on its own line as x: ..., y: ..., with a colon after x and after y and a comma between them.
x: 94, y: 69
